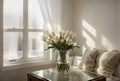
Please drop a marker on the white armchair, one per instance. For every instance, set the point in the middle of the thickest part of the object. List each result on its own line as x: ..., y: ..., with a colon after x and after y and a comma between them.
x: 75, y: 61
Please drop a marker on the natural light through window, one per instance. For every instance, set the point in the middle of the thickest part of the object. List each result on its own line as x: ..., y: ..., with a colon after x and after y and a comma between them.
x: 24, y: 23
x: 89, y: 28
x: 22, y: 41
x: 89, y: 41
x: 35, y: 45
x: 106, y: 43
x: 36, y: 18
x: 13, y: 45
x: 13, y: 14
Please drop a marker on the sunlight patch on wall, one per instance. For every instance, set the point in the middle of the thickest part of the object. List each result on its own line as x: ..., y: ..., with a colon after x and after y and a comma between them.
x: 89, y: 41
x: 106, y: 43
x: 89, y: 28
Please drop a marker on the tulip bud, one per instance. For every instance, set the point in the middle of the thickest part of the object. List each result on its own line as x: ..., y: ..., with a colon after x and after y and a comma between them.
x: 61, y: 40
x: 52, y: 33
x: 50, y: 36
x: 66, y: 34
x: 56, y: 39
x: 44, y: 38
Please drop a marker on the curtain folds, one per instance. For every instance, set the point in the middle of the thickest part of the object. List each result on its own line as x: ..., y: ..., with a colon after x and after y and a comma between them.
x: 52, y: 14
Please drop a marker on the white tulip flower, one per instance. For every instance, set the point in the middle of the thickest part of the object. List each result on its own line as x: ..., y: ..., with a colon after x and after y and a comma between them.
x: 49, y: 42
x: 44, y: 37
x: 74, y: 43
x: 66, y: 34
x: 62, y: 33
x: 61, y: 40
x: 57, y: 40
x: 50, y: 36
x: 71, y: 32
x: 52, y: 33
x: 68, y: 39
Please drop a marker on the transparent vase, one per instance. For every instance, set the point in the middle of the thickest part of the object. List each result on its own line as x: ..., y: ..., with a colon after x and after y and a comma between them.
x: 63, y: 65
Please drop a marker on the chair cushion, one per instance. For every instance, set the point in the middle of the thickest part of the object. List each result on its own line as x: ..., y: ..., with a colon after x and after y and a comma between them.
x: 83, y: 57
x: 117, y: 70
x: 100, y: 52
x: 89, y: 61
x: 108, y: 62
x: 77, y: 61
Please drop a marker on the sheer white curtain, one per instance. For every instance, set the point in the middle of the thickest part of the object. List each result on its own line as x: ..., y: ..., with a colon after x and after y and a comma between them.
x: 52, y: 14
x: 45, y: 14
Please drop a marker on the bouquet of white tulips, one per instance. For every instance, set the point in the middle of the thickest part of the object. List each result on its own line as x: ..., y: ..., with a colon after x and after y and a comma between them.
x: 61, y: 41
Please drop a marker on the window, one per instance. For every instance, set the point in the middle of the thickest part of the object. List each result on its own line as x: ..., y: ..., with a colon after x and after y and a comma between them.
x: 23, y: 28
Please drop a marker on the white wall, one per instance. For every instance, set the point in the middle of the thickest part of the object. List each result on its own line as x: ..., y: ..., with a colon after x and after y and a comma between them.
x: 95, y: 21
x: 118, y: 19
x: 1, y: 24
x: 20, y: 74
x: 67, y: 15
x: 1, y: 44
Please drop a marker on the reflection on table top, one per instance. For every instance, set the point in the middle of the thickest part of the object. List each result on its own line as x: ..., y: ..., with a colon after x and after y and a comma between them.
x: 74, y: 75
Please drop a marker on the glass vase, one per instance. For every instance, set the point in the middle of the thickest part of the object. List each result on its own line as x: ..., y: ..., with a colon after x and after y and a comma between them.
x: 63, y: 66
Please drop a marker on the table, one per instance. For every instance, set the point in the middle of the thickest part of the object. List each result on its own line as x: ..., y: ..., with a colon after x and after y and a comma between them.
x: 74, y: 75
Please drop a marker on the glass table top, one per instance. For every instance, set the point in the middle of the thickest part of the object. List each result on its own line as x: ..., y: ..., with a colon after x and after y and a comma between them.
x: 74, y: 75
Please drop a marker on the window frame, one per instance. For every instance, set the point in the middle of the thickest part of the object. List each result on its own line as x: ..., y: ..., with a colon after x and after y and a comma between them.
x: 25, y: 30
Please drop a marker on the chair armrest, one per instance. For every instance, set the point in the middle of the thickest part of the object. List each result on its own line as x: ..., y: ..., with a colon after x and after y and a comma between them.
x: 76, y: 61
x: 117, y: 71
